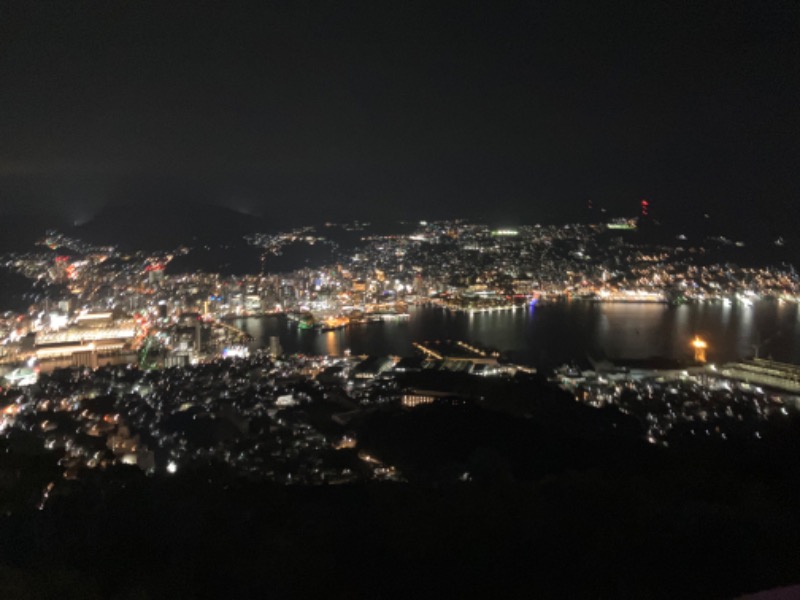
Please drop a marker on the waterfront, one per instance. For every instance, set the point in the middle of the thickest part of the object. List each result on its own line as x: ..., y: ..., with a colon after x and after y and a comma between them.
x: 550, y: 334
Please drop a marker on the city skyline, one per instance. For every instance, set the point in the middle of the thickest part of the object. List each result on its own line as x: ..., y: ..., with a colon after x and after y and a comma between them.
x: 424, y: 298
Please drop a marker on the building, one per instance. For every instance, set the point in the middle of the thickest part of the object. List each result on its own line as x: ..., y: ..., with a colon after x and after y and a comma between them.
x: 372, y: 367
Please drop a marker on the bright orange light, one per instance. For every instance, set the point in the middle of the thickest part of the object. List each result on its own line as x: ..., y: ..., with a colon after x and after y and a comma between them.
x: 699, y: 346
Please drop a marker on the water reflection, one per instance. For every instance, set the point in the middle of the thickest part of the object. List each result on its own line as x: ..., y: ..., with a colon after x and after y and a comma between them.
x: 555, y: 333
x: 332, y: 343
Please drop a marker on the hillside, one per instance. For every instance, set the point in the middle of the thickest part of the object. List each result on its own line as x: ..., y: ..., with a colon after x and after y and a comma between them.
x: 161, y: 225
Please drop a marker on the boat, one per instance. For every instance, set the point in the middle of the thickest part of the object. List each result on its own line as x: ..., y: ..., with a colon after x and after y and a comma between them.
x: 303, y: 320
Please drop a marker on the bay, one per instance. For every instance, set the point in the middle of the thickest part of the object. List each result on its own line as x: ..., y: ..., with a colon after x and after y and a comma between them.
x: 550, y: 334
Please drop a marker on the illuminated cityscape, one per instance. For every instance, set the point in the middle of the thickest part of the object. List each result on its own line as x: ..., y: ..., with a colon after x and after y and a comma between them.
x: 408, y: 300
x: 122, y: 364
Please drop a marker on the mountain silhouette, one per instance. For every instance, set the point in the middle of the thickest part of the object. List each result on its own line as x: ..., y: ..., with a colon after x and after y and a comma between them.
x: 22, y: 231
x: 161, y: 225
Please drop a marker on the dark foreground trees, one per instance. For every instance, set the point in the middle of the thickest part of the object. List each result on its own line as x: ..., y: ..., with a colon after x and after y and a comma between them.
x: 701, y: 522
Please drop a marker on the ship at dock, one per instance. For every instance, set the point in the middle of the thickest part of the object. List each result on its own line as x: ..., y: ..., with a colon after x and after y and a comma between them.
x: 326, y: 321
x: 304, y: 320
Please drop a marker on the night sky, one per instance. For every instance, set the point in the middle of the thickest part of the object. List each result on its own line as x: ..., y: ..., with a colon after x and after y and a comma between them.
x: 509, y: 111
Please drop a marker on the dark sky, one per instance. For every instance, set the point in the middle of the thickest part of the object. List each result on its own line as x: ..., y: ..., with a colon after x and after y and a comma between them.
x: 519, y: 111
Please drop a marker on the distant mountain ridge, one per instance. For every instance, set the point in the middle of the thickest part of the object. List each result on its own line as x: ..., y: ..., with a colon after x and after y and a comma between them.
x: 161, y: 225
x: 21, y: 231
